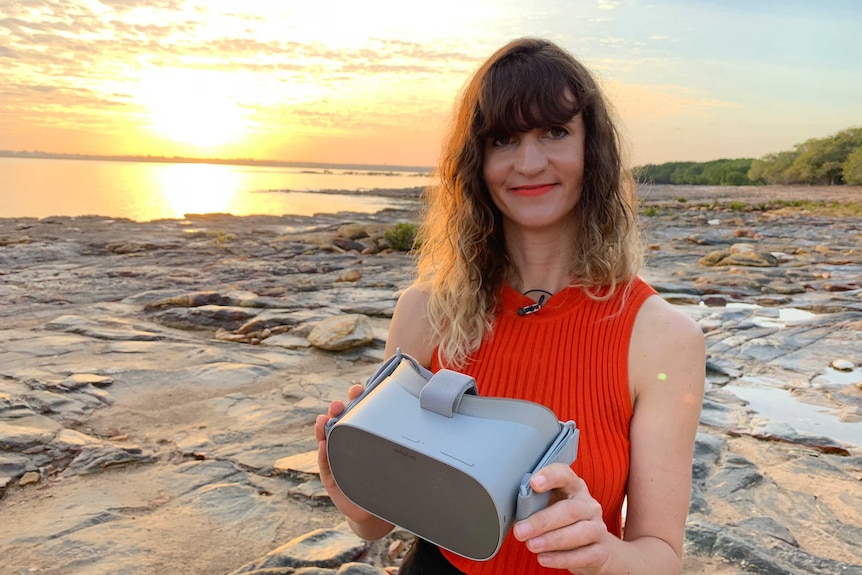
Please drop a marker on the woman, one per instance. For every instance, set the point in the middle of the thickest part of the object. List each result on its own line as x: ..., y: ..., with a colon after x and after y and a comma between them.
x: 527, y: 281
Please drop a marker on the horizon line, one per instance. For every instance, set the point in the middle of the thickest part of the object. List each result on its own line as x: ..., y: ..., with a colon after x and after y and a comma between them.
x: 37, y: 154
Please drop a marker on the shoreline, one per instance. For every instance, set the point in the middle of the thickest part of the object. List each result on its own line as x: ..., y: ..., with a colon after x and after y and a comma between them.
x: 216, y: 161
x: 649, y: 195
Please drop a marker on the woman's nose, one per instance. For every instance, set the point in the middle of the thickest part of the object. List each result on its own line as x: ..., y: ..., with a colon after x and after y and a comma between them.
x: 531, y: 157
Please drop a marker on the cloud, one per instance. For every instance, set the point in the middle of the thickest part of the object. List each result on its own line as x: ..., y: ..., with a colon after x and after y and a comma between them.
x: 160, y: 34
x: 100, y: 65
x: 23, y: 27
x: 613, y: 41
x: 130, y: 5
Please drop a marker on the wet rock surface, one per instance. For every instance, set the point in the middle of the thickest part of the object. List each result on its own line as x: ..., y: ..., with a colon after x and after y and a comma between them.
x: 159, y: 381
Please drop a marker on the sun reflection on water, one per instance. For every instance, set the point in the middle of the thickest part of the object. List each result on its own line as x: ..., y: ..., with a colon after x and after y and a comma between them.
x: 175, y: 190
x: 145, y: 191
x: 194, y: 188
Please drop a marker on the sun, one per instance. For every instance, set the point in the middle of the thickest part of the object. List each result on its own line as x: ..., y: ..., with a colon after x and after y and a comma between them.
x: 195, y: 107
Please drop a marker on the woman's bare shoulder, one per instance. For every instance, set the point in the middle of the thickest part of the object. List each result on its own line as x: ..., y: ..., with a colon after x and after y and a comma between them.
x: 665, y: 340
x: 415, y: 296
x: 410, y: 328
x: 657, y: 316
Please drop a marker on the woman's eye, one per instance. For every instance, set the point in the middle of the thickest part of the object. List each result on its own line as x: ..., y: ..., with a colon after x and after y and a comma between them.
x: 558, y: 132
x: 501, y: 141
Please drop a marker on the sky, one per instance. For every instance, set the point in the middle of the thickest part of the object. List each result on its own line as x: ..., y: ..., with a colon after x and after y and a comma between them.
x: 375, y: 81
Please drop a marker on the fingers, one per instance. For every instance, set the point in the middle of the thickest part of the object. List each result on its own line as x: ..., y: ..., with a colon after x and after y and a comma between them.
x: 558, y: 476
x: 567, y: 537
x: 337, y: 406
x: 590, y: 558
x: 571, y: 503
x: 570, y: 532
x: 335, y: 409
x: 558, y: 515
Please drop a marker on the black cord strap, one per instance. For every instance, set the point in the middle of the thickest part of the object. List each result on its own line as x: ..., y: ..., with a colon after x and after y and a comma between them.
x: 546, y: 292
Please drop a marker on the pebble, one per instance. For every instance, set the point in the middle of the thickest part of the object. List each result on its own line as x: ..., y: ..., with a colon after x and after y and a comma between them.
x: 29, y: 478
x: 842, y: 365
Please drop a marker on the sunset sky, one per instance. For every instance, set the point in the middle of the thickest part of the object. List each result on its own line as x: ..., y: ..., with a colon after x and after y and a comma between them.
x: 374, y: 81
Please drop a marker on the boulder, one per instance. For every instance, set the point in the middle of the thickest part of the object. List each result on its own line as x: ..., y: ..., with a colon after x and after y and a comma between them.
x: 342, y: 332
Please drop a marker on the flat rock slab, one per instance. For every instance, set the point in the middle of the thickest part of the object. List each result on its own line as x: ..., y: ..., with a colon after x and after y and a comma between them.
x: 158, y: 387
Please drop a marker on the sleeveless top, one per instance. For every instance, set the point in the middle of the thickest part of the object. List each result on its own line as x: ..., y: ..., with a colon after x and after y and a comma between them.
x: 571, y: 356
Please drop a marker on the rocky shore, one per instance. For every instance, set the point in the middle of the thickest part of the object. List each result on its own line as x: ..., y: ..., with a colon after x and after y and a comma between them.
x: 159, y: 380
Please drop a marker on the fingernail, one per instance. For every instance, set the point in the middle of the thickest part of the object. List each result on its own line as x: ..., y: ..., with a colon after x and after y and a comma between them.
x: 539, y: 480
x: 521, y: 530
x: 536, y: 544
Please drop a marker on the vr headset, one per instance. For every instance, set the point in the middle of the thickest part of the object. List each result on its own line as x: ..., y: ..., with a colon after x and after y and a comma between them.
x: 424, y: 452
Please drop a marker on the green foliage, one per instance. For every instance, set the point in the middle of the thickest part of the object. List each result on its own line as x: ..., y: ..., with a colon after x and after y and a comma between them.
x: 714, y: 173
x: 770, y: 169
x: 402, y: 237
x: 853, y: 168
x: 222, y: 238
x: 823, y: 161
x: 828, y: 161
x: 650, y: 211
x: 835, y: 207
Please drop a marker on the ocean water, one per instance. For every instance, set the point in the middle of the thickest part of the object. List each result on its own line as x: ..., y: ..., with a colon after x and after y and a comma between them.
x: 144, y: 191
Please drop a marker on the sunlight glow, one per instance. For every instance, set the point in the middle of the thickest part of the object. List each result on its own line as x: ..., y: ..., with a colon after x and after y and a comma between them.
x: 196, y: 189
x: 193, y: 106
x: 374, y: 82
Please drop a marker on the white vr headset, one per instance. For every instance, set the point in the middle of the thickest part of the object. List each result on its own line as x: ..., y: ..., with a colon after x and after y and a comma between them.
x: 424, y: 452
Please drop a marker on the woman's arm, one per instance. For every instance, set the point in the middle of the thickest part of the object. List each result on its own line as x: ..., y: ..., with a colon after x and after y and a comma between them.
x: 666, y: 371
x: 408, y: 330
x: 667, y: 367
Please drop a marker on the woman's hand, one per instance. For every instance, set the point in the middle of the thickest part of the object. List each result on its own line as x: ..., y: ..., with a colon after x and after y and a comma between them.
x: 348, y: 508
x: 363, y: 523
x: 569, y: 533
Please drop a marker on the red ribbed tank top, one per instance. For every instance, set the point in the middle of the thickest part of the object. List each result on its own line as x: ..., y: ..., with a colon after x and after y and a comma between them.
x: 571, y: 356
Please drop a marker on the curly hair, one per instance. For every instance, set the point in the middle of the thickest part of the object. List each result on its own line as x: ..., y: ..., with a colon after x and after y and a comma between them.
x: 529, y: 83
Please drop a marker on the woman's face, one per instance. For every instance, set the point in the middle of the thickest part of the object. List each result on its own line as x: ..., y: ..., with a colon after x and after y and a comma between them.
x: 535, y: 177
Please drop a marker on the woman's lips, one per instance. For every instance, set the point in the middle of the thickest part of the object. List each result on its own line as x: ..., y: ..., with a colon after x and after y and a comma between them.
x: 536, y: 190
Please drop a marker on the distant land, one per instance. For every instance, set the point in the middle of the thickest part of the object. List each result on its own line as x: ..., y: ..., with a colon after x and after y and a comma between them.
x: 227, y: 161
x: 834, y: 160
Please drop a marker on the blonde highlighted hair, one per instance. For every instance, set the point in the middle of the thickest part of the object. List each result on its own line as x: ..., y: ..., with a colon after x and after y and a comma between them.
x: 529, y: 83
